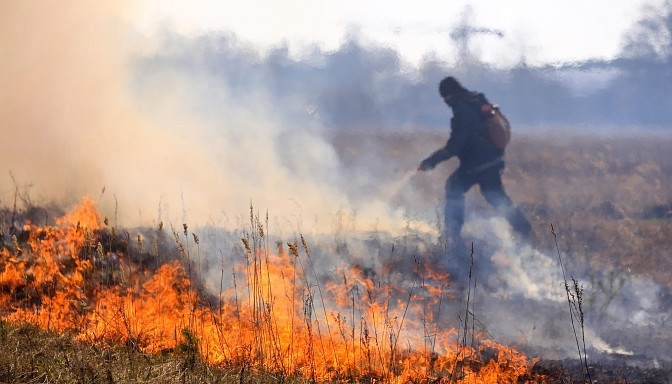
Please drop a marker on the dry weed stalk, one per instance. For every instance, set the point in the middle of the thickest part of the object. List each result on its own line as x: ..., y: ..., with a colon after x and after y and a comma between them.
x: 575, y: 304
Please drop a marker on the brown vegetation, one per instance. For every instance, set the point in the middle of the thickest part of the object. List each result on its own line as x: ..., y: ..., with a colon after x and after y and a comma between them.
x: 82, y: 301
x: 609, y: 197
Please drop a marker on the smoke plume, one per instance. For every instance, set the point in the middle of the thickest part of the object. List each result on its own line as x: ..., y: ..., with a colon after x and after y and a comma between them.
x: 90, y: 109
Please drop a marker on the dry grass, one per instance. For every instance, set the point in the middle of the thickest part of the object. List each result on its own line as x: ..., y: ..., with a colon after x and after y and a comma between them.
x: 144, y: 323
x: 607, y: 199
x: 30, y: 355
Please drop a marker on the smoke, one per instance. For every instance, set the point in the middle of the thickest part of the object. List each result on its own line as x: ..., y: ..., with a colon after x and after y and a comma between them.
x: 196, y: 128
x: 516, y: 292
x: 90, y: 108
x: 522, y: 297
x: 69, y: 124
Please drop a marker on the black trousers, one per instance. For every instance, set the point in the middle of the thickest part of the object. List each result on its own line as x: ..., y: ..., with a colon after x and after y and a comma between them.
x: 490, y: 182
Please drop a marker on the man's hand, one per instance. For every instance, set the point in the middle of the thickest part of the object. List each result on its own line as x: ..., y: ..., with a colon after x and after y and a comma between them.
x: 425, y: 166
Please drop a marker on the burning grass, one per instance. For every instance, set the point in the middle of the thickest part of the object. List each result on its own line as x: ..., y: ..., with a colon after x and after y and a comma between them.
x: 87, y: 284
x: 105, y: 304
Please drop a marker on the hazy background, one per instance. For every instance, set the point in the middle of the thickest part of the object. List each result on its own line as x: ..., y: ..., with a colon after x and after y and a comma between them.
x: 159, y: 124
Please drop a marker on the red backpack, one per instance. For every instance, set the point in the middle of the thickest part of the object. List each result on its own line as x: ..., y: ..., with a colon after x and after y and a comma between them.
x: 497, y: 125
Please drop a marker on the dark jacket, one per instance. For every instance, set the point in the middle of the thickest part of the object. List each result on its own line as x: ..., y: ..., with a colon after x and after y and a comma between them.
x: 469, y: 139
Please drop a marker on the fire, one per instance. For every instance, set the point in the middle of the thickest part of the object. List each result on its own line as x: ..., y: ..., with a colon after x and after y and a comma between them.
x: 279, y: 314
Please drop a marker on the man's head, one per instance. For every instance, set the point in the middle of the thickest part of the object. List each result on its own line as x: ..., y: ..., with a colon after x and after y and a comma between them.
x: 450, y: 87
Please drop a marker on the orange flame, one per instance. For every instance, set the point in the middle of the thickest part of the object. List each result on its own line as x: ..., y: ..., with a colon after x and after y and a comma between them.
x: 278, y: 315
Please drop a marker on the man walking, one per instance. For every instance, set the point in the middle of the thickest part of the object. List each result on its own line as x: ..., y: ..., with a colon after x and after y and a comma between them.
x: 481, y: 162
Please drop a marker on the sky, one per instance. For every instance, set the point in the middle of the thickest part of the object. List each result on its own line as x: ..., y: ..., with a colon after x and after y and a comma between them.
x: 549, y: 31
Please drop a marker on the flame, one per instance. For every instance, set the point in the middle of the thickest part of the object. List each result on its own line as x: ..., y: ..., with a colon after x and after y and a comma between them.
x: 279, y: 314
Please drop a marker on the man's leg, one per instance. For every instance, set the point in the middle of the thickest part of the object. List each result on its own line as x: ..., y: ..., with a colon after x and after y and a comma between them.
x: 493, y: 191
x: 453, y: 212
x: 455, y: 258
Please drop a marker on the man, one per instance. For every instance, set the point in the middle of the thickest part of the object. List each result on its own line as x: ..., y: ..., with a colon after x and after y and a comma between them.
x: 481, y: 162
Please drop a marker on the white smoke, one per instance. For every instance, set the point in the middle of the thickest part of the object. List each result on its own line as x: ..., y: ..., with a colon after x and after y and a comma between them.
x: 522, y: 297
x: 91, y: 112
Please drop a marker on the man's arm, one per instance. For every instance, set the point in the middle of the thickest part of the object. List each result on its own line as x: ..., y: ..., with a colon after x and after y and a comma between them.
x: 458, y: 139
x: 435, y: 158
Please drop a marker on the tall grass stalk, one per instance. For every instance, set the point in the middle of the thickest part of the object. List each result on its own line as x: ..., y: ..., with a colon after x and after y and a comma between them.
x: 324, y: 308
x: 292, y: 306
x: 294, y: 249
x: 462, y: 343
x: 575, y: 304
x: 432, y: 351
x: 405, y: 311
x: 263, y: 334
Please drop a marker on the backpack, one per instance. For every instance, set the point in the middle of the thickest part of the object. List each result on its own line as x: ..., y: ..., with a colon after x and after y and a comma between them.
x: 496, y: 124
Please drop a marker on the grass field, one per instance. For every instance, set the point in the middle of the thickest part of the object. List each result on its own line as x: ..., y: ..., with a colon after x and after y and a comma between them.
x: 84, y: 301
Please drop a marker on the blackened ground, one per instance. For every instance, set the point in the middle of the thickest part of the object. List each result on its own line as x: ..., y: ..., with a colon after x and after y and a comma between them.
x: 573, y: 371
